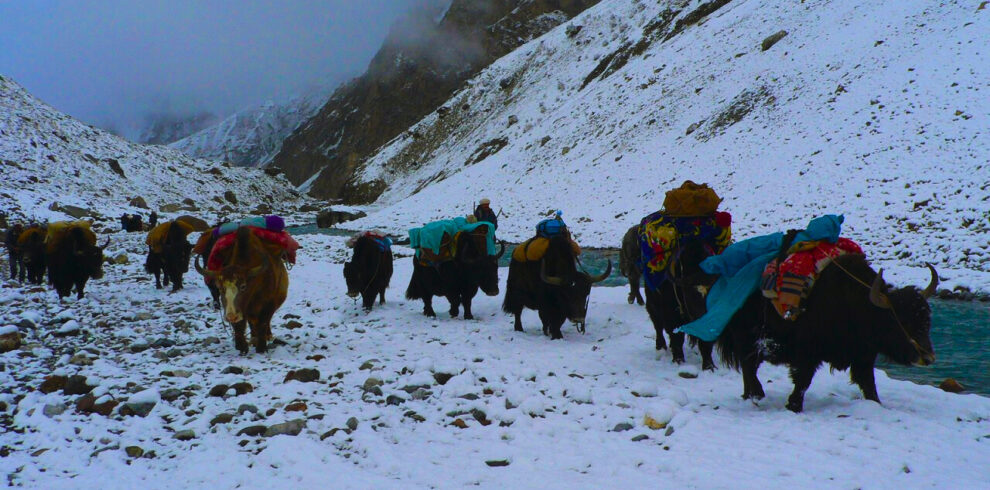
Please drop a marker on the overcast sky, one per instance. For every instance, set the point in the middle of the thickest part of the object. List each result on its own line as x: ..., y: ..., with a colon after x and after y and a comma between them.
x: 111, y: 62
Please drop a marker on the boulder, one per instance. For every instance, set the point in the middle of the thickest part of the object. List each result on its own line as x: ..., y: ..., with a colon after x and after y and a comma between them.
x: 197, y: 223
x: 329, y: 217
x: 230, y: 197
x: 138, y: 202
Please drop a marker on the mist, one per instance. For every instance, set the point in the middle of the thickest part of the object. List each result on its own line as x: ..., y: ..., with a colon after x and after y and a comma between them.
x: 112, y: 63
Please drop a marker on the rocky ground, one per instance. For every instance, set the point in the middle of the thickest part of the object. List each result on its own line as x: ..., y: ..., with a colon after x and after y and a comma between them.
x: 147, y: 387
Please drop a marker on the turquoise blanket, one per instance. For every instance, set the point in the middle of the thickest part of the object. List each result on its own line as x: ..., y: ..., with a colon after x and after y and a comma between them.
x: 740, y: 267
x: 430, y: 235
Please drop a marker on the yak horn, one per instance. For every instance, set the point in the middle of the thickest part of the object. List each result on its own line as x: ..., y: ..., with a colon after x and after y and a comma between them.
x: 105, y: 244
x: 877, y: 297
x: 601, y: 277
x: 501, y: 251
x: 930, y: 290
x: 202, y: 271
x: 551, y: 280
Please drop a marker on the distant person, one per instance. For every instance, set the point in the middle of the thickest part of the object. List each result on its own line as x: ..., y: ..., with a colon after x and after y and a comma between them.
x: 153, y: 219
x: 124, y: 220
x: 484, y: 212
x: 14, y: 253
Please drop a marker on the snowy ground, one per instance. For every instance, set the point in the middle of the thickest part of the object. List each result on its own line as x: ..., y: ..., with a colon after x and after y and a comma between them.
x: 553, y: 407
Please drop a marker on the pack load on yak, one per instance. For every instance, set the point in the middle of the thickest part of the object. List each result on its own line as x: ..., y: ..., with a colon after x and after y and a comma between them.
x: 271, y: 231
x: 741, y: 268
x: 156, y: 237
x: 168, y: 253
x: 383, y: 242
x: 788, y: 278
x: 535, y: 248
x: 434, y: 242
x: 690, y: 213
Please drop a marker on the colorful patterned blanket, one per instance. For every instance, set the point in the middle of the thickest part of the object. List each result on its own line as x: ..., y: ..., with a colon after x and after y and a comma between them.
x: 277, y: 243
x: 661, y: 234
x: 788, y: 282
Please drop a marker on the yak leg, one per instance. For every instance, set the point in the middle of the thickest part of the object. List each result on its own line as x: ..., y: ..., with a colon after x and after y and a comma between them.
x: 158, y: 278
x: 239, y: 342
x: 518, y: 322
x: 676, y: 344
x: 801, y: 377
x: 656, y: 317
x: 706, y: 355
x: 552, y: 321
x: 260, y: 332
x: 752, y: 389
x: 455, y: 304
x: 467, y: 308
x: 367, y: 300
x: 861, y: 373
x: 381, y: 297
x: 80, y: 286
x: 428, y: 306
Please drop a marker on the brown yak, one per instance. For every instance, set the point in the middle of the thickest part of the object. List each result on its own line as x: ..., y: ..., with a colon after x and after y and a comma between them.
x: 253, y: 283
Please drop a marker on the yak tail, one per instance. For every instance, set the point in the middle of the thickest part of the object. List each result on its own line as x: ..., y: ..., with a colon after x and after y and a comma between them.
x: 726, y: 343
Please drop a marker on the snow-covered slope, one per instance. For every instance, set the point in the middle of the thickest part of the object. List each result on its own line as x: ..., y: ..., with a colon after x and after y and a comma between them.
x: 877, y: 110
x: 51, y: 161
x: 250, y: 138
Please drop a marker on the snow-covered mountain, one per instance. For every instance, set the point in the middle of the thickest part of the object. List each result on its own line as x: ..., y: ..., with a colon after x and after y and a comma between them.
x: 789, y: 110
x: 164, y: 128
x: 53, y: 164
x: 252, y: 137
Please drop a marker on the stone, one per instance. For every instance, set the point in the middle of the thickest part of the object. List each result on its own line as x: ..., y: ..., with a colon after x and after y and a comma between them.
x: 52, y: 384
x: 184, y: 435
x: 653, y: 423
x: 480, y: 416
x: 459, y: 423
x: 137, y: 347
x: 219, y: 390
x: 160, y: 343
x: 139, y: 409
x: 244, y: 408
x: 421, y: 394
x: 134, y: 451
x: 371, y: 383
x: 243, y: 388
x: 76, y: 385
x: 669, y: 431
x: 171, y: 394
x: 394, y: 400
x: 622, y: 427
x: 442, y: 378
x: 80, y: 359
x: 328, y: 218
x: 230, y: 197
x: 469, y: 396
x: 52, y: 410
x: 412, y: 388
x: 773, y: 39
x: 252, y: 431
x: 352, y: 423
x: 223, y: 418
x: 573, y: 30
x: 10, y: 341
x: 641, y: 437
x: 302, y: 375
x: 952, y: 386
x: 415, y: 416
x: 292, y: 324
x: 290, y: 428
x: 296, y: 407
x: 232, y: 370
x: 495, y: 463
x: 179, y: 373
x: 138, y: 202
x: 367, y: 365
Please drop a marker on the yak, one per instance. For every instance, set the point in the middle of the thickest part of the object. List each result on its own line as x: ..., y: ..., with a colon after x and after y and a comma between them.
x: 32, y: 245
x: 72, y: 257
x: 170, y: 255
x: 553, y: 286
x: 253, y: 283
x: 369, y: 271
x: 629, y: 258
x: 680, y: 299
x: 849, y: 318
x: 457, y: 279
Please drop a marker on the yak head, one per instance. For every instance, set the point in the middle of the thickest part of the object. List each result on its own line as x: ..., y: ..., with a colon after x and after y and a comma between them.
x: 472, y: 253
x: 238, y: 280
x: 908, y: 317
x: 89, y: 257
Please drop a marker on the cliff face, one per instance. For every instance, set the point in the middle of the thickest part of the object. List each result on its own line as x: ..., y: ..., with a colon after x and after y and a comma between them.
x: 421, y: 64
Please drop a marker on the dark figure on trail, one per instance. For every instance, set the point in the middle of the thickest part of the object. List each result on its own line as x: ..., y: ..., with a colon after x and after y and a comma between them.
x: 14, y: 252
x: 370, y: 270
x: 484, y: 212
x: 124, y: 220
x: 32, y: 249
x: 629, y: 259
x: 153, y: 219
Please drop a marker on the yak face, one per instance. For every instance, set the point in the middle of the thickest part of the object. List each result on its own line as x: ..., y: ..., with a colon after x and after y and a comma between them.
x: 354, y: 276
x: 90, y: 260
x: 909, y: 320
x: 573, y: 290
x: 236, y: 285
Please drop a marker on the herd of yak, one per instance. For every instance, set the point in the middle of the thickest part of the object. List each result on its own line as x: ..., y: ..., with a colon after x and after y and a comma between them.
x: 850, y: 317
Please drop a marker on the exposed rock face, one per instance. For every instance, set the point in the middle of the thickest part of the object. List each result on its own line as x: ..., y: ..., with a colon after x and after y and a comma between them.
x: 419, y: 66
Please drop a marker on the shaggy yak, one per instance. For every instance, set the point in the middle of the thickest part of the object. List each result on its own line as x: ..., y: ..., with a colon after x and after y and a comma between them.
x: 850, y: 317
x: 172, y: 257
x: 553, y: 286
x: 253, y: 283
x: 629, y: 259
x: 72, y: 258
x: 460, y: 278
x: 681, y: 299
x: 369, y: 271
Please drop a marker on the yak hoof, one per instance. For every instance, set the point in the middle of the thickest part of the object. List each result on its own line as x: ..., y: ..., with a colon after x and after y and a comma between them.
x: 468, y: 316
x: 518, y: 328
x: 630, y: 299
x: 639, y: 301
x: 430, y: 314
x: 795, y: 407
x: 708, y: 367
x: 678, y: 360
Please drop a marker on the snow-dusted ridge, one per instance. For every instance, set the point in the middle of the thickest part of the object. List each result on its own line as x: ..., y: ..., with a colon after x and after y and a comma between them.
x: 52, y: 160
x: 875, y: 110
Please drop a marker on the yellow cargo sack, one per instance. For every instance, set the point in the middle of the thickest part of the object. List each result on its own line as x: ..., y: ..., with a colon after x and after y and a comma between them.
x: 691, y: 199
x: 157, y: 234
x: 58, y: 230
x: 535, y: 248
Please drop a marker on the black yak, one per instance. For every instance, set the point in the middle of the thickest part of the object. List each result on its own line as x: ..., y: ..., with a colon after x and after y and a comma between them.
x: 553, y: 286
x: 849, y: 318
x: 629, y: 258
x: 32, y: 245
x: 459, y: 278
x: 369, y: 271
x: 72, y: 257
x: 168, y: 252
